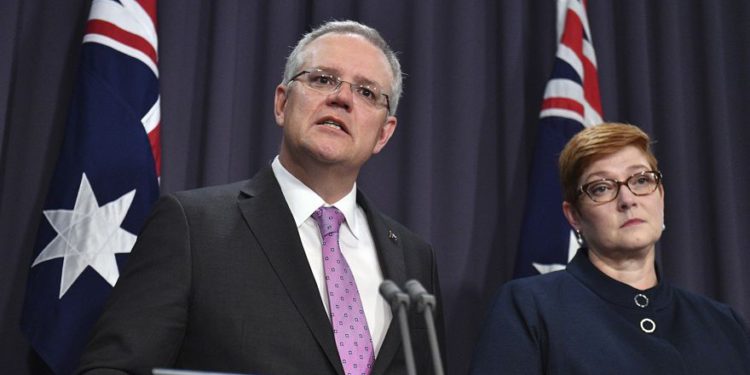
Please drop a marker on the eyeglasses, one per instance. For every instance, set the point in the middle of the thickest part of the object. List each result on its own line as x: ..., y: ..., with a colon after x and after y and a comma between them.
x: 328, y: 83
x: 606, y: 189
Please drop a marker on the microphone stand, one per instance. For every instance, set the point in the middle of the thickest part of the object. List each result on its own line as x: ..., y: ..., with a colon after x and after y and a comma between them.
x: 399, y: 302
x: 426, y: 304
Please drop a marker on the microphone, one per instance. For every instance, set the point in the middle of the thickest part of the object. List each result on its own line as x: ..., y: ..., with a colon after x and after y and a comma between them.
x: 399, y: 302
x: 426, y: 304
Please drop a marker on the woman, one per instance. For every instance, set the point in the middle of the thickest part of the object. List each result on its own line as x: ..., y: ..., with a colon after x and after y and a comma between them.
x: 610, y: 312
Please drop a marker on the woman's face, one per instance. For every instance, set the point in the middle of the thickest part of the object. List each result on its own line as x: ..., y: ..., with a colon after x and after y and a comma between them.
x: 627, y: 225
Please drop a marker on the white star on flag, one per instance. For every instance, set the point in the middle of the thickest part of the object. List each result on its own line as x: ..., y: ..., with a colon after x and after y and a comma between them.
x: 573, y: 246
x: 88, y: 235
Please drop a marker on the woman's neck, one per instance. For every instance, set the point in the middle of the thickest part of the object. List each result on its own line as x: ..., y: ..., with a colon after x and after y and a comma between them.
x: 635, y: 269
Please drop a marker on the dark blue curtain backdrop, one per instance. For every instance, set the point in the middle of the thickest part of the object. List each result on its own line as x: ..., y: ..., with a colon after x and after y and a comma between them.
x: 456, y: 170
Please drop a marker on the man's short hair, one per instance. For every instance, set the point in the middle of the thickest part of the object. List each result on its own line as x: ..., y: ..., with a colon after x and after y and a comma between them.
x: 294, y: 60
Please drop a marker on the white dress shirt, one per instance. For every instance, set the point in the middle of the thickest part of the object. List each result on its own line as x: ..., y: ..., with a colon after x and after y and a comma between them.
x: 355, y: 240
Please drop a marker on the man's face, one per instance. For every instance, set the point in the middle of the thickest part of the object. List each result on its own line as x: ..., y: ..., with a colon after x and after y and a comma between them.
x: 337, y: 129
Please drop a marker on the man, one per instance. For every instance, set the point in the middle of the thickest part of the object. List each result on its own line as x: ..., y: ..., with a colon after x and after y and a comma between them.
x: 233, y: 278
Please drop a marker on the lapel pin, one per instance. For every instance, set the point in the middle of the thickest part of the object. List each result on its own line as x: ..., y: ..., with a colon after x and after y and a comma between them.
x: 392, y: 236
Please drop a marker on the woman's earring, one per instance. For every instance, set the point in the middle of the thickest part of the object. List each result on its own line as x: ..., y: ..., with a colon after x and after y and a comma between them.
x: 579, y: 237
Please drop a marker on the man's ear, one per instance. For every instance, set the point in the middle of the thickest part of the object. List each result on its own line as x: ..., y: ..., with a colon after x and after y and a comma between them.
x: 571, y: 214
x: 279, y: 103
x: 386, y: 132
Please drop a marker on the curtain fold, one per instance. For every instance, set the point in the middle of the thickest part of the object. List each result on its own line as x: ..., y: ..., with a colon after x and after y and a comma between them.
x: 456, y: 169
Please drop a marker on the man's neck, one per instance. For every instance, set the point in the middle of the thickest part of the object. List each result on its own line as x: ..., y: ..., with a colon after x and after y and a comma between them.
x: 330, y: 182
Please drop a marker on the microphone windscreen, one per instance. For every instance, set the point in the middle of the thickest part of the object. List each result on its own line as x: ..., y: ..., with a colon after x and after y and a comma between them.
x: 389, y: 290
x: 415, y: 289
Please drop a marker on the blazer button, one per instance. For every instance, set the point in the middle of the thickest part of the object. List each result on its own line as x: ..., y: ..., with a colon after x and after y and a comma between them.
x: 648, y: 325
x: 641, y: 300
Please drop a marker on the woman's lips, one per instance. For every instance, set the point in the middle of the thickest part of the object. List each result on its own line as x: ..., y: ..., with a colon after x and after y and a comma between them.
x: 632, y: 222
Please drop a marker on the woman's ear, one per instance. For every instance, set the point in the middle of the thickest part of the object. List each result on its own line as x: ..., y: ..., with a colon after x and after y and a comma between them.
x: 571, y: 214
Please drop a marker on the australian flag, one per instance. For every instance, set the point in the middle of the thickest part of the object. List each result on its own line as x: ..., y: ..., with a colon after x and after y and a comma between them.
x: 104, y: 184
x: 571, y: 101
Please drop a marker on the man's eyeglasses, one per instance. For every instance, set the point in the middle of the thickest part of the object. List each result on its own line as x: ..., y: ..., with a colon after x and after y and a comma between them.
x: 607, y: 189
x: 328, y: 83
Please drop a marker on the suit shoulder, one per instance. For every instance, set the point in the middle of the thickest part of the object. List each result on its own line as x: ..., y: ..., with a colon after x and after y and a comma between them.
x: 542, y: 281
x: 201, y: 201
x: 210, y: 194
x: 538, y: 284
x: 704, y: 305
x: 527, y: 301
x: 211, y: 191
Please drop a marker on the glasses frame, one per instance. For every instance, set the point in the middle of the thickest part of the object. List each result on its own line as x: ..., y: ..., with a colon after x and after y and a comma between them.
x: 583, y: 189
x: 339, y: 82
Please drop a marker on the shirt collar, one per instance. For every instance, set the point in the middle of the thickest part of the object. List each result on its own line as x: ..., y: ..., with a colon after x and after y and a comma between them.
x: 303, y: 201
x: 615, y: 291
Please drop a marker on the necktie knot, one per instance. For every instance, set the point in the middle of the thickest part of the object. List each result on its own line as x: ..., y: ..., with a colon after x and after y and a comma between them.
x: 329, y: 220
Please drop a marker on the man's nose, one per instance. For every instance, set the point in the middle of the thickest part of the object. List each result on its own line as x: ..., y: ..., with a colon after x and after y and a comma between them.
x: 342, y: 96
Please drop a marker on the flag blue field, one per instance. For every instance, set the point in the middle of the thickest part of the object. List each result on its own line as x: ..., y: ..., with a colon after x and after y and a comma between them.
x: 571, y: 101
x: 104, y: 184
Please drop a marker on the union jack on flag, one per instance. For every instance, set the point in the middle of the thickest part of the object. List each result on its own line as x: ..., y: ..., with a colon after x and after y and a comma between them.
x: 571, y: 101
x: 104, y: 184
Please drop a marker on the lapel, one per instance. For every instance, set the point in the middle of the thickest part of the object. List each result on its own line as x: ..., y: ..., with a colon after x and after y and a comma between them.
x: 267, y: 215
x: 391, y: 258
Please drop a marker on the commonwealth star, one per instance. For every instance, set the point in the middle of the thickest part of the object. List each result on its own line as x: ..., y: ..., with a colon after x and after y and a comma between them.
x: 88, y: 235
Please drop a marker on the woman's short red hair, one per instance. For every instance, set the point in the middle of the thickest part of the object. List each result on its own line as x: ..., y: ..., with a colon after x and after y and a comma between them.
x: 594, y: 143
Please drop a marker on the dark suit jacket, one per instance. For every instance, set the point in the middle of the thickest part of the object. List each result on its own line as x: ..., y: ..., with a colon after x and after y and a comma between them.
x: 218, y: 280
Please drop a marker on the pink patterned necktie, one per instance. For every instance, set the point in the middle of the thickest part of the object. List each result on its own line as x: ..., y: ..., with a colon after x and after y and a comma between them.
x: 347, y: 315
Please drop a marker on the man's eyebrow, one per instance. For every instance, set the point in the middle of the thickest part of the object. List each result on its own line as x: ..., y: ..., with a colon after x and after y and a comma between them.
x: 358, y: 78
x: 365, y: 81
x: 328, y: 70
